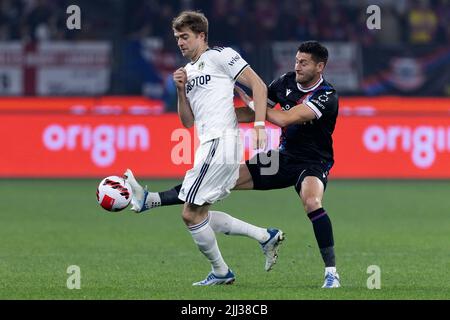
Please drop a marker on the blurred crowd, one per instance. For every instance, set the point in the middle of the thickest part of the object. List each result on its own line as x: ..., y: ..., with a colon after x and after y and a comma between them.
x: 238, y: 22
x: 43, y: 20
x: 145, y: 52
x: 244, y: 22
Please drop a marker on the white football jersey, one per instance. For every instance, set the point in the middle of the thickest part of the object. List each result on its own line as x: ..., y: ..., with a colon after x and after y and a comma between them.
x: 209, y: 90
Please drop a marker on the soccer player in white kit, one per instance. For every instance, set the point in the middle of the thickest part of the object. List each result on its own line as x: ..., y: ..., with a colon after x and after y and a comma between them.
x: 205, y: 97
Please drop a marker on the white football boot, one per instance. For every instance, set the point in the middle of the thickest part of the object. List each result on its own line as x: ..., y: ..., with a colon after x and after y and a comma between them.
x: 331, y: 278
x: 270, y: 247
x: 212, y: 279
x: 139, y: 198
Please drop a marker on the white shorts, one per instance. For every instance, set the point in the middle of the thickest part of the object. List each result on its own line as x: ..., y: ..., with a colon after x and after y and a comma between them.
x: 215, y: 171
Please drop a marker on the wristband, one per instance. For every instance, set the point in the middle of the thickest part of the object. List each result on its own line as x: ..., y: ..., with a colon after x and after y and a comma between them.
x: 259, y: 123
x: 251, y: 105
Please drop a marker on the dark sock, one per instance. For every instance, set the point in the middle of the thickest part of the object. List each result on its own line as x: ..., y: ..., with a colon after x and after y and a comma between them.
x: 324, y: 235
x: 328, y: 256
x: 170, y: 197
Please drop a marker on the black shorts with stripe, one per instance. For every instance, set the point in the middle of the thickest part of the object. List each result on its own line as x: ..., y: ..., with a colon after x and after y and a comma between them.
x: 290, y: 171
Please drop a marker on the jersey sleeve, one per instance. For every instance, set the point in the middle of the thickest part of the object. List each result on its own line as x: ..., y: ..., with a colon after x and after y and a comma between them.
x: 274, y: 87
x: 231, y: 62
x: 322, y: 102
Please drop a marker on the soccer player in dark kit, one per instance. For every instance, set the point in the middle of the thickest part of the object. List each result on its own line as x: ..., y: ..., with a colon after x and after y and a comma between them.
x: 309, y: 109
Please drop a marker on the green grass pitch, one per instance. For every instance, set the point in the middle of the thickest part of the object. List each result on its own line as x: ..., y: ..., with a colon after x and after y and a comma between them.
x: 47, y: 225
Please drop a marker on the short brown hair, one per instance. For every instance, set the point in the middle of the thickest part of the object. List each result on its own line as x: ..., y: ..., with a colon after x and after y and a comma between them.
x: 194, y: 20
x: 319, y: 53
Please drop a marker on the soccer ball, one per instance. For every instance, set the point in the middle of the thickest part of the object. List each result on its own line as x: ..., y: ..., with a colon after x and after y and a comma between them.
x: 114, y: 193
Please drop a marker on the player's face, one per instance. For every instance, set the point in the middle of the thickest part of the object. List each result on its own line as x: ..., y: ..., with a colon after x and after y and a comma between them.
x: 307, y: 71
x: 189, y: 42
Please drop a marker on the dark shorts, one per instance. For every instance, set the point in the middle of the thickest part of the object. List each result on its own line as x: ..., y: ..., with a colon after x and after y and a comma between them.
x: 291, y: 171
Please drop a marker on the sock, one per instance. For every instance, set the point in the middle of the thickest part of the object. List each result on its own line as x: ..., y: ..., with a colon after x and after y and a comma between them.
x: 206, y: 241
x: 224, y: 223
x: 330, y: 269
x: 170, y: 197
x: 328, y: 257
x: 324, y: 235
x: 153, y: 200
x: 165, y: 198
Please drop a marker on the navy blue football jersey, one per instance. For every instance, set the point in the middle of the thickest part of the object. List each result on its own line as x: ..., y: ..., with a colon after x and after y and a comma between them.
x: 311, y: 141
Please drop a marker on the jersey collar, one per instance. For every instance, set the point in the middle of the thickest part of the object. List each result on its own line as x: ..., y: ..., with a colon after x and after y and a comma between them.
x: 314, y: 86
x: 192, y: 63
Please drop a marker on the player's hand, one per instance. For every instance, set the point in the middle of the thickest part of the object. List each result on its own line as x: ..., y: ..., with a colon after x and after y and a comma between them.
x: 180, y: 78
x: 259, y: 137
x: 242, y: 95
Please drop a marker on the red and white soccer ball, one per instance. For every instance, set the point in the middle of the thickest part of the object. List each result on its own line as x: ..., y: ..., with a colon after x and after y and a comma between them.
x: 114, y: 193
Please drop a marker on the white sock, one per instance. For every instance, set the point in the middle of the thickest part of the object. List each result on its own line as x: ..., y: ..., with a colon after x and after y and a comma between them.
x: 330, y: 269
x: 153, y: 200
x: 206, y: 241
x: 224, y: 223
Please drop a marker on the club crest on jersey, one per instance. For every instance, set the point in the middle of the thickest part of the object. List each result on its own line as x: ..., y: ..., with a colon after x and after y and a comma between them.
x: 323, y: 98
x: 199, y: 80
x: 201, y: 65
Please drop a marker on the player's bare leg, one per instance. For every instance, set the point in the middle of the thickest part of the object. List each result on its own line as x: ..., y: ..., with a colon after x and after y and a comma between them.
x: 245, y: 181
x: 311, y: 194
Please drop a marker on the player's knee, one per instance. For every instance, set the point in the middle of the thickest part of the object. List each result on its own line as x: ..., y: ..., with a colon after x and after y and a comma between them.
x: 312, y: 203
x: 193, y: 214
x: 188, y: 217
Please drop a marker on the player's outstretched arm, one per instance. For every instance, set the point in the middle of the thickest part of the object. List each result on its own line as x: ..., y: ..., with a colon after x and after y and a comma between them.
x: 298, y: 114
x: 250, y: 79
x: 244, y: 114
x: 184, y: 109
x: 244, y: 96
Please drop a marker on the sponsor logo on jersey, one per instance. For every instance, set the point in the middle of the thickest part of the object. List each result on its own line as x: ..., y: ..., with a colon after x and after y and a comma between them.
x: 233, y: 60
x: 318, y: 103
x: 199, y: 80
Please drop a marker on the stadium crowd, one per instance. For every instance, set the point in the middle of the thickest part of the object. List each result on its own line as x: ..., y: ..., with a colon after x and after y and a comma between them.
x: 145, y: 53
x: 234, y: 21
